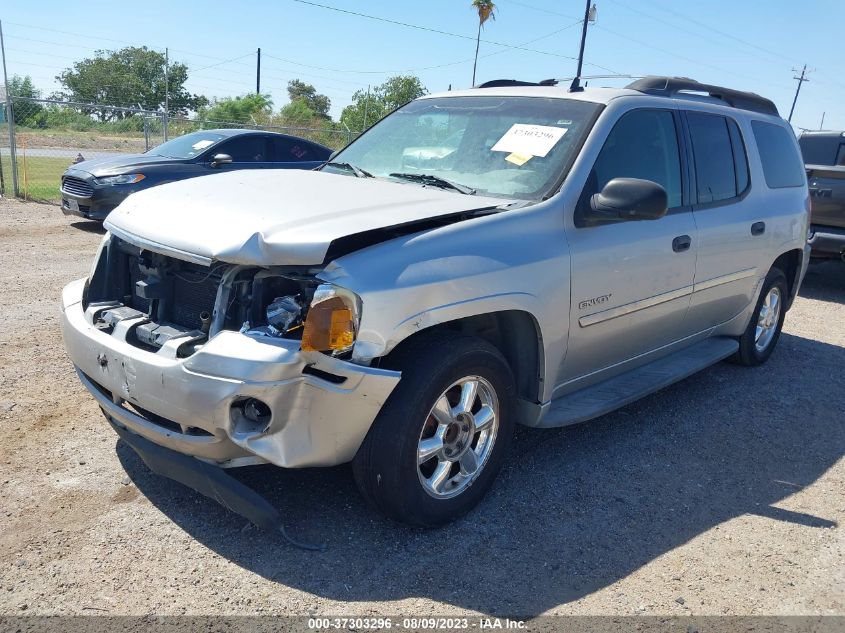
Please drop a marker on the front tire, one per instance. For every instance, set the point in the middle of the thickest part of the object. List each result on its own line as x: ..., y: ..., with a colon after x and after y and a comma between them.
x: 438, y: 443
x: 763, y: 332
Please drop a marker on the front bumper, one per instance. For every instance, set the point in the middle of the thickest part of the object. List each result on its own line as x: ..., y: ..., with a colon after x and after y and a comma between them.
x: 827, y: 241
x: 185, y: 404
x: 102, y: 201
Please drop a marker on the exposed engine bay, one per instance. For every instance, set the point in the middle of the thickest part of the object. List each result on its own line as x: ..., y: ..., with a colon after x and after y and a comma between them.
x: 181, y: 300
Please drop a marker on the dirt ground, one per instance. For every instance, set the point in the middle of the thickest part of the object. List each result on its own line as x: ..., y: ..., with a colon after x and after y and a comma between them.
x: 723, y: 494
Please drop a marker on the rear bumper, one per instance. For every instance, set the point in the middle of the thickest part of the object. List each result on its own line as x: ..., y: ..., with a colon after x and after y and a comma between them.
x: 185, y: 404
x: 827, y: 241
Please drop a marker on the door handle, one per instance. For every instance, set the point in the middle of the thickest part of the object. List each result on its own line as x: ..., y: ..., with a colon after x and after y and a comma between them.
x: 681, y: 243
x: 758, y: 228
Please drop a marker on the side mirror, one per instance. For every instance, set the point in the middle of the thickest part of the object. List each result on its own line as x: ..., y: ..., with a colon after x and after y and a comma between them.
x: 629, y: 199
x: 333, y: 154
x: 220, y: 159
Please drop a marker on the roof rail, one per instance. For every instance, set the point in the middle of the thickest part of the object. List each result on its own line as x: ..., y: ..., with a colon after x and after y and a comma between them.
x: 508, y: 83
x: 671, y: 86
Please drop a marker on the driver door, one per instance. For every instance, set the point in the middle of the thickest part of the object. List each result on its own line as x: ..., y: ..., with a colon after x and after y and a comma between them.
x: 248, y: 151
x: 631, y: 281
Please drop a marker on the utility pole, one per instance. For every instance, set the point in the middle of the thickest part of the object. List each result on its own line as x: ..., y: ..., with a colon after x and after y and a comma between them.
x: 166, y: 90
x: 589, y: 16
x: 366, y: 108
x: 258, y: 74
x: 10, y: 117
x: 801, y: 80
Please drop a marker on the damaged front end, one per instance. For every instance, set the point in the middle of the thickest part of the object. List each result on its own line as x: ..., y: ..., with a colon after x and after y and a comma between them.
x: 180, y: 304
x: 231, y: 364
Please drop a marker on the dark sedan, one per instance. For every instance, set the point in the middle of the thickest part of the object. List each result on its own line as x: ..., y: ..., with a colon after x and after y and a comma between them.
x: 93, y: 188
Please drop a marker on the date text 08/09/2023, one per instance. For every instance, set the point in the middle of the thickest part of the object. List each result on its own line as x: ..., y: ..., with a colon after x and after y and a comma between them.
x: 414, y: 623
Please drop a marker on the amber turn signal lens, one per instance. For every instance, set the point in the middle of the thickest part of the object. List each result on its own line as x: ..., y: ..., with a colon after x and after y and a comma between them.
x: 328, y: 326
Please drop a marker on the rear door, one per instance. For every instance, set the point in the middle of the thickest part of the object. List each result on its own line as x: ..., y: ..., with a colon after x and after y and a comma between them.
x: 631, y: 280
x: 295, y: 153
x: 733, y: 236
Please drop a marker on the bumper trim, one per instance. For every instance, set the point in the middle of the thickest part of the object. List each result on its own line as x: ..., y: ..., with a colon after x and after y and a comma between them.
x: 210, y: 481
x: 827, y: 241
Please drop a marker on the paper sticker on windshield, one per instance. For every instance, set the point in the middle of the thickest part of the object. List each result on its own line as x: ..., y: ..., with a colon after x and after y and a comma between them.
x: 529, y: 140
x: 517, y: 159
x: 202, y: 145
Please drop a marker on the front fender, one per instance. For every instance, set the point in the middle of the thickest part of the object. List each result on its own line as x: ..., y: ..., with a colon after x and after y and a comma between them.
x: 375, y: 340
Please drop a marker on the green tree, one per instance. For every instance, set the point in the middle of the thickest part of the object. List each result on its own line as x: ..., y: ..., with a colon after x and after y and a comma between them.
x: 25, y: 112
x: 251, y: 108
x: 317, y: 103
x: 366, y: 108
x: 486, y: 11
x: 297, y: 112
x: 131, y: 77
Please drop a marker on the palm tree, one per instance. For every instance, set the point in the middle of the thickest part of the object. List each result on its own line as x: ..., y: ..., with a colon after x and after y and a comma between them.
x: 486, y: 11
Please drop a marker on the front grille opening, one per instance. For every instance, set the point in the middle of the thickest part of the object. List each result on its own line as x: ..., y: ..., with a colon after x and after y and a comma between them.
x: 77, y: 187
x: 149, y: 416
x: 99, y: 387
x: 171, y: 426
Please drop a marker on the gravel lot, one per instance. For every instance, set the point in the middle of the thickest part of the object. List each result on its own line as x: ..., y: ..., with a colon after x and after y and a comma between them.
x: 724, y: 494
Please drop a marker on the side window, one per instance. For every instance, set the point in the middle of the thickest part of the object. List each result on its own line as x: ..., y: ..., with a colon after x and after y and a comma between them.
x: 840, y: 158
x: 782, y: 165
x: 290, y: 150
x: 643, y: 144
x: 250, y: 148
x: 740, y: 157
x: 715, y: 175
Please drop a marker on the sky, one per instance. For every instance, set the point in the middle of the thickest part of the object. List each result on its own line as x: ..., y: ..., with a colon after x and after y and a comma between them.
x: 752, y: 45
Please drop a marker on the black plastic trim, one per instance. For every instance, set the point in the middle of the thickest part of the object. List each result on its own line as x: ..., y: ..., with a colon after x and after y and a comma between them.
x: 673, y: 86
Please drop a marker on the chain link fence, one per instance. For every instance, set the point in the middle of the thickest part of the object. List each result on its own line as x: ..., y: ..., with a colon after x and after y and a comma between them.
x: 40, y: 138
x: 43, y: 137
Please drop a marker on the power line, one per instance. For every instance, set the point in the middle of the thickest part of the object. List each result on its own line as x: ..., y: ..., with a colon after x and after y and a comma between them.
x: 420, y: 68
x: 543, y: 10
x: 722, y: 33
x: 440, y: 32
x: 226, y: 61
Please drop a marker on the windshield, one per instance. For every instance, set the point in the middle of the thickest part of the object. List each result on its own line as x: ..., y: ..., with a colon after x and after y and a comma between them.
x: 510, y: 147
x: 187, y: 146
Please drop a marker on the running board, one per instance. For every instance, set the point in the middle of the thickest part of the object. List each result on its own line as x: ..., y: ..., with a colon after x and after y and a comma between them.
x: 607, y: 396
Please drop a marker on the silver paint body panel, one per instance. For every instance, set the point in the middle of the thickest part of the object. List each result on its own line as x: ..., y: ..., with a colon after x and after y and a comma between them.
x: 651, y: 300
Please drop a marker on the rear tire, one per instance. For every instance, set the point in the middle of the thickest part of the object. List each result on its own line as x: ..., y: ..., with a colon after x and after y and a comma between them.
x: 439, y: 441
x: 763, y: 332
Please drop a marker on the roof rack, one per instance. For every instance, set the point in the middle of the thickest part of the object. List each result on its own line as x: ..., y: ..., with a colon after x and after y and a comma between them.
x: 671, y: 86
x: 509, y: 83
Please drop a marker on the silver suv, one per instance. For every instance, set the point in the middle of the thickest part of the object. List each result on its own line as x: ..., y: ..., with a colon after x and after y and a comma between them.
x: 513, y: 253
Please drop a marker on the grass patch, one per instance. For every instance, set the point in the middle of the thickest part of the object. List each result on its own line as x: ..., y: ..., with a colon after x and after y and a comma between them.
x: 39, y: 177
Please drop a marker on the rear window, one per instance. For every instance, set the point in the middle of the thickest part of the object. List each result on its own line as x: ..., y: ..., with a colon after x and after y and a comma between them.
x: 819, y: 150
x: 782, y: 165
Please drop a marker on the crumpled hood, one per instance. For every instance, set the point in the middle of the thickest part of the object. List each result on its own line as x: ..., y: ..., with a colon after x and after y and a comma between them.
x: 120, y: 164
x: 275, y: 217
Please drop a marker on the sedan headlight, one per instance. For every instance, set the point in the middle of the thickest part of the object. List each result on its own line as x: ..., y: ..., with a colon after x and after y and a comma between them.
x: 123, y: 179
x: 331, y: 324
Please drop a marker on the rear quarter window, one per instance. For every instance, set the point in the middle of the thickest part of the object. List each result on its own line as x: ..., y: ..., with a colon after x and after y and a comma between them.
x: 782, y: 164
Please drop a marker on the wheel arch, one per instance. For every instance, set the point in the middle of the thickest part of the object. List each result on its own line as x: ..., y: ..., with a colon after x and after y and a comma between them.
x: 791, y: 263
x: 515, y: 333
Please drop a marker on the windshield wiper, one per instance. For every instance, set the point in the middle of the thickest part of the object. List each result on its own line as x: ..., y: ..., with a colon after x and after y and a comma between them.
x: 359, y: 173
x: 435, y: 181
